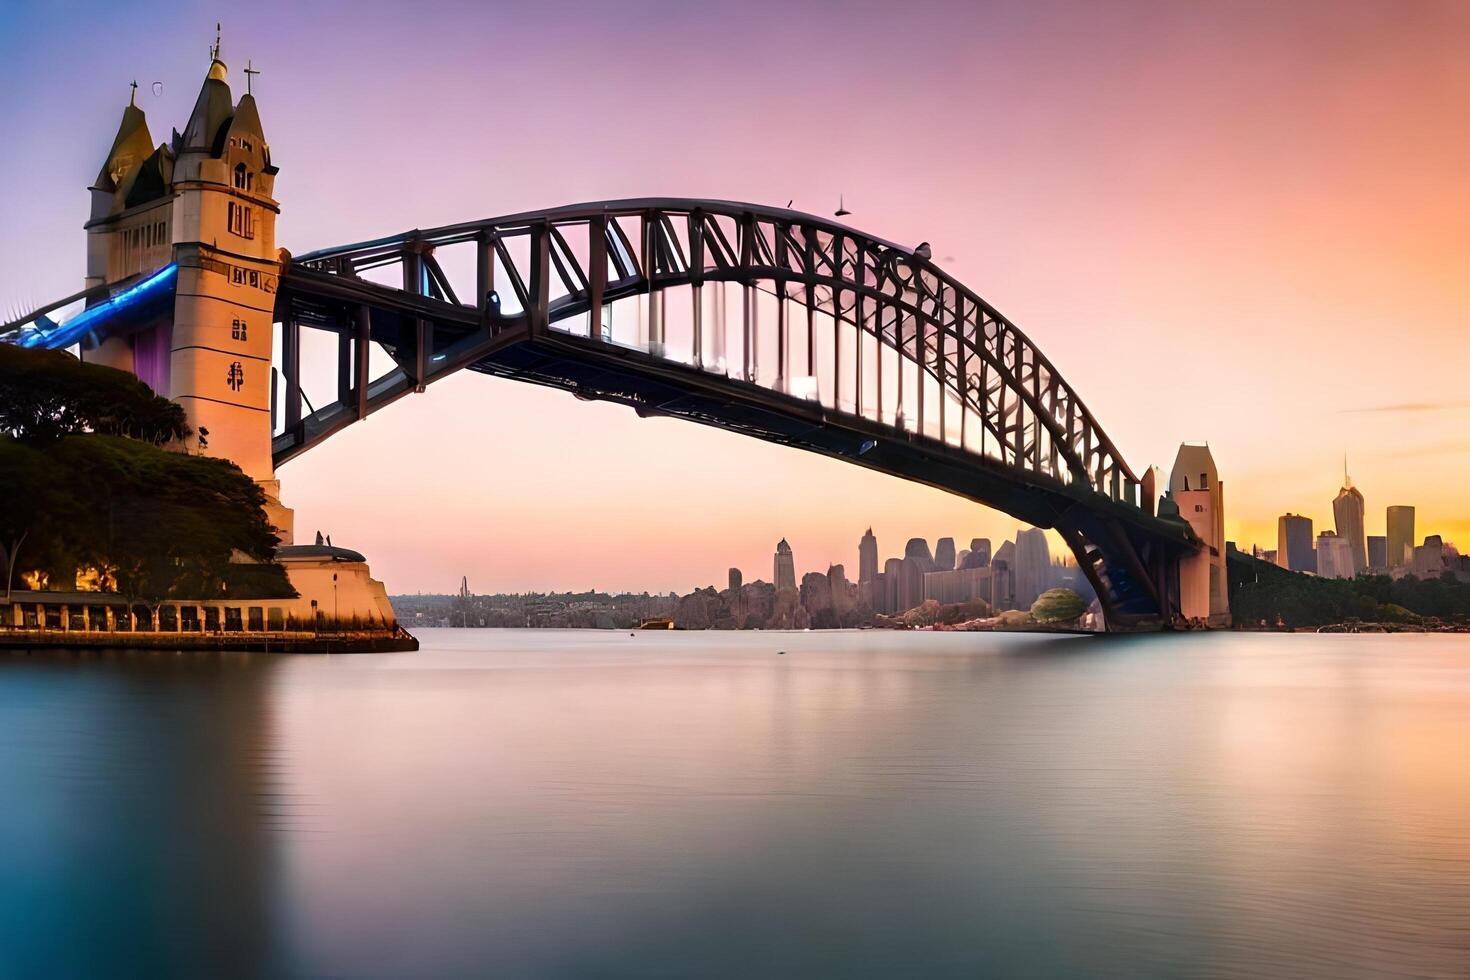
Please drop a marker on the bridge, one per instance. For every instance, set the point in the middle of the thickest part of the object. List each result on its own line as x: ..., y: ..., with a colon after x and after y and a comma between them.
x: 764, y: 321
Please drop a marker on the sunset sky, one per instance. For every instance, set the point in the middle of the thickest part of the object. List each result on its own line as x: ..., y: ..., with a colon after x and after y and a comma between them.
x: 1248, y: 224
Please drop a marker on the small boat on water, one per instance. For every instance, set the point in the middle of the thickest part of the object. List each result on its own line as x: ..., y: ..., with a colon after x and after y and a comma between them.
x: 656, y: 623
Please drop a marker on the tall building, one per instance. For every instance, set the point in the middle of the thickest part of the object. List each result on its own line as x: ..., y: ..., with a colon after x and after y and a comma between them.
x: 979, y: 555
x: 1428, y: 558
x: 202, y: 205
x: 917, y: 561
x: 1335, y: 557
x: 1400, y: 536
x: 1294, y: 543
x: 1195, y: 487
x: 892, y: 582
x: 867, y: 558
x: 1003, y: 577
x: 944, y: 555
x: 784, y: 574
x: 1032, y: 566
x: 918, y: 548
x: 736, y: 580
x: 1377, y: 551
x: 1347, y: 510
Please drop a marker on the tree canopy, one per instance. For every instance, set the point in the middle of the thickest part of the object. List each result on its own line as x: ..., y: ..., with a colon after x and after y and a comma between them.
x: 1058, y: 606
x: 84, y: 482
x: 1261, y: 592
x: 47, y: 394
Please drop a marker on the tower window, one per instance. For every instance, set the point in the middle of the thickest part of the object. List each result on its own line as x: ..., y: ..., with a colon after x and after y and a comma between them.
x: 1204, y: 483
x: 241, y: 220
x: 237, y: 329
x: 242, y: 177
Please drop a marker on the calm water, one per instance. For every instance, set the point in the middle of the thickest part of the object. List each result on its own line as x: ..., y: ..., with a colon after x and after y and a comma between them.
x: 568, y: 804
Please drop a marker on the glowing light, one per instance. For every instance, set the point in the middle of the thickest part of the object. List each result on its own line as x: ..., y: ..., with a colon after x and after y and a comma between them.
x: 73, y: 330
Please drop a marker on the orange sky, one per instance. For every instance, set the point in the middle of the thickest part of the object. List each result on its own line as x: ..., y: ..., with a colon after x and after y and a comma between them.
x: 1248, y: 225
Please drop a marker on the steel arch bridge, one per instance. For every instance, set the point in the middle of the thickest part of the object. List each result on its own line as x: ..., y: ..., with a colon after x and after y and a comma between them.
x: 765, y: 321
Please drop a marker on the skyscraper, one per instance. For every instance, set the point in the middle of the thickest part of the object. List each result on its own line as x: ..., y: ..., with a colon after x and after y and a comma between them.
x: 1347, y: 509
x: 916, y: 563
x: 735, y: 580
x: 1334, y: 556
x: 1377, y: 551
x: 979, y: 555
x: 1033, y: 566
x: 944, y: 555
x: 1294, y: 543
x: 785, y: 573
x: 1400, y: 536
x: 867, y: 559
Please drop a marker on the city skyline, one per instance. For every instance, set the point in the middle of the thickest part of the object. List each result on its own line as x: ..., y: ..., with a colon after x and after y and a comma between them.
x: 1298, y: 197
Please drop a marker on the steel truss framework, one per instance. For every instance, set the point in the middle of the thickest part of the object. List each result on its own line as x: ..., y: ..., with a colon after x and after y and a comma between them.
x: 767, y: 321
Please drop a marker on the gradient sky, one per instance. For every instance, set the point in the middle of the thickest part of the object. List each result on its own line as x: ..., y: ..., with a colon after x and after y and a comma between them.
x: 1247, y: 224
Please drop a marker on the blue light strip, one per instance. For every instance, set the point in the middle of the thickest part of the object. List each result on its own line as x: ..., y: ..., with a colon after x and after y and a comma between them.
x: 92, y: 317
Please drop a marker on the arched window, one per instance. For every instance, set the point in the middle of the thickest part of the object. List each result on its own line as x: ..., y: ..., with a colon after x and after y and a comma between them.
x: 242, y: 177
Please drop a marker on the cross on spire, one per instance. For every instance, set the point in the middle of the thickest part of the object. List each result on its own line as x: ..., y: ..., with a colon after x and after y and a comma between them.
x: 214, y: 51
x: 249, y: 70
x: 133, y: 96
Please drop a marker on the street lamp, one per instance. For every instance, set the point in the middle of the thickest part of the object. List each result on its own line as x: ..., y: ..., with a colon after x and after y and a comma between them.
x: 336, y: 619
x: 315, y: 623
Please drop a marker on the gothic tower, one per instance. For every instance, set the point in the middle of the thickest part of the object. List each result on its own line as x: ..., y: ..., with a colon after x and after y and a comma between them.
x: 201, y: 205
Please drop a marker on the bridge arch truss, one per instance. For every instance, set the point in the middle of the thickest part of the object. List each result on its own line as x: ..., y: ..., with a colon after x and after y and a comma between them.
x: 764, y: 321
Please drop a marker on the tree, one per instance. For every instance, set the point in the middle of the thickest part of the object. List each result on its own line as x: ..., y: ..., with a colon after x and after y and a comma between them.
x: 1056, y: 606
x: 23, y: 477
x: 48, y: 394
x: 165, y: 523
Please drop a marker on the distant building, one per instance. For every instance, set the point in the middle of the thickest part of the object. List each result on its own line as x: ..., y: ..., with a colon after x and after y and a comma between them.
x: 1294, y: 543
x: 867, y: 558
x: 1377, y: 551
x: 916, y: 563
x: 785, y: 571
x: 1400, y: 536
x: 736, y: 580
x: 979, y: 555
x: 1195, y: 488
x: 944, y: 555
x: 1428, y: 561
x: 1347, y: 510
x: 1334, y: 556
x: 1003, y: 578
x: 1032, y: 566
x: 892, y: 579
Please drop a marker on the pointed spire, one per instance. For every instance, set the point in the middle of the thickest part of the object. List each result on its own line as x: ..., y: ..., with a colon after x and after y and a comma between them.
x: 130, y: 147
x: 214, y: 107
x: 133, y: 95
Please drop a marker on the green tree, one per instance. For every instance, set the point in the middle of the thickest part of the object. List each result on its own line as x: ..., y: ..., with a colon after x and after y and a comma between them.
x: 165, y: 523
x: 1058, y: 606
x: 84, y: 481
x: 47, y: 394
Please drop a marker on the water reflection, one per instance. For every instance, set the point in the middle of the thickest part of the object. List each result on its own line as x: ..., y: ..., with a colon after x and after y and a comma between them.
x: 575, y: 804
x: 141, y: 794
